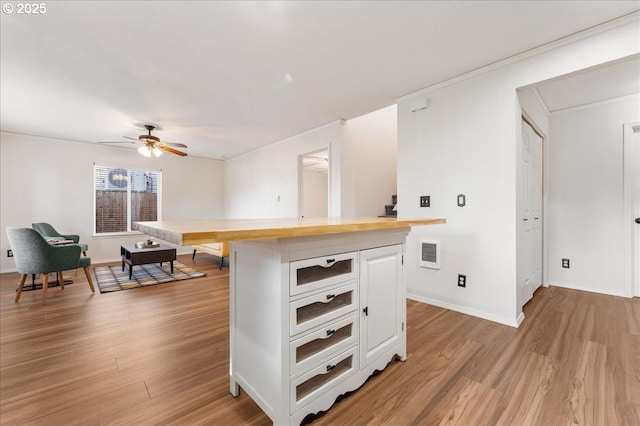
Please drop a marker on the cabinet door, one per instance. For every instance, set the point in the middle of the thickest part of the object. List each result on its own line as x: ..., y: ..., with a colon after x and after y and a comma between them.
x: 381, y: 301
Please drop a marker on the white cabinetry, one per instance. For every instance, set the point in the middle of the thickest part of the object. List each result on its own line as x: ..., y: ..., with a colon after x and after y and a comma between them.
x: 382, y: 301
x: 313, y: 317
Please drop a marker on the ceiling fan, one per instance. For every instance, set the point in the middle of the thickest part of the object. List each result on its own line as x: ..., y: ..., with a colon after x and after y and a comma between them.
x: 153, y: 145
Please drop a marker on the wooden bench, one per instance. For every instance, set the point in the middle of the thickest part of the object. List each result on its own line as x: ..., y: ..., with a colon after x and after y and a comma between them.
x: 217, y: 249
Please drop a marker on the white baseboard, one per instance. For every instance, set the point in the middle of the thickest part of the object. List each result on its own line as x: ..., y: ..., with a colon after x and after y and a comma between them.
x: 512, y: 322
x: 590, y: 290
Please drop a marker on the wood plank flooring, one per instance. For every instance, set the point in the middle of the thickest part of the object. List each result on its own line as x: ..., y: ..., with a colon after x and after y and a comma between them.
x: 159, y: 355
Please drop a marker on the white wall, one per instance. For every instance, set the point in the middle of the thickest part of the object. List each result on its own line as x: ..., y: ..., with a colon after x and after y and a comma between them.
x: 362, y: 175
x: 585, y: 217
x: 264, y: 183
x: 316, y: 204
x: 462, y: 145
x: 48, y: 180
x: 369, y: 163
x: 465, y: 142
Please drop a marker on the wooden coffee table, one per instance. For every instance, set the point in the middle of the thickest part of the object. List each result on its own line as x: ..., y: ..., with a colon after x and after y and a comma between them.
x: 131, y: 255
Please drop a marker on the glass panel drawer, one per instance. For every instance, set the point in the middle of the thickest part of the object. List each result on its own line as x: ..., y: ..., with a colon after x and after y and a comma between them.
x: 313, y: 347
x: 314, y: 274
x: 320, y: 308
x: 321, y: 379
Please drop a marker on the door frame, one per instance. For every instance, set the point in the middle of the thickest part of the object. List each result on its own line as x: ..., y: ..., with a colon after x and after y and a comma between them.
x: 632, y: 236
x: 301, y: 179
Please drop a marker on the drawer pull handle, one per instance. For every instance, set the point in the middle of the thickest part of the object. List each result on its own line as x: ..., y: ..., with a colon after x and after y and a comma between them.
x: 330, y: 296
x: 330, y: 367
x: 330, y: 332
x: 330, y: 261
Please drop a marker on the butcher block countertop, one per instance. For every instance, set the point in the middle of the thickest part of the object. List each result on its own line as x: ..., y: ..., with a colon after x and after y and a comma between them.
x: 187, y: 232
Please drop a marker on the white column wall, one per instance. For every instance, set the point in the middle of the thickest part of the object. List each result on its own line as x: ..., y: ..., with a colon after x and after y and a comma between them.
x: 369, y: 163
x: 462, y: 146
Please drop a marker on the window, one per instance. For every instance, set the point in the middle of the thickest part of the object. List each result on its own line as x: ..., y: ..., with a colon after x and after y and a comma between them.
x: 125, y: 196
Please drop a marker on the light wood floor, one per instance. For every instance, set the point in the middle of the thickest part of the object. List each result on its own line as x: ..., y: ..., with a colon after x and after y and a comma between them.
x: 159, y: 355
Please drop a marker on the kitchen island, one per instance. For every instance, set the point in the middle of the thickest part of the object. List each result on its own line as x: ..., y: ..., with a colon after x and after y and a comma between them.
x: 316, y: 305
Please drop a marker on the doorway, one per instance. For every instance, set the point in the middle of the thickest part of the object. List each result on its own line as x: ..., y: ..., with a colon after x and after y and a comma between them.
x: 313, y: 184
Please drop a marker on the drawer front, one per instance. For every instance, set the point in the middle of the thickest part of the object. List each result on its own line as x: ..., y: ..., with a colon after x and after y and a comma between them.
x: 313, y: 274
x: 310, y: 349
x: 321, y: 379
x: 323, y: 307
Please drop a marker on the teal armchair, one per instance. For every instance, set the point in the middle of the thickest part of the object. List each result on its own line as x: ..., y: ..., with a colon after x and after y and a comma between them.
x: 34, y: 255
x: 50, y: 234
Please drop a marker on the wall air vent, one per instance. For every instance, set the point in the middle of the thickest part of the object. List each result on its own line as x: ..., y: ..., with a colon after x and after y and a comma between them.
x: 430, y: 254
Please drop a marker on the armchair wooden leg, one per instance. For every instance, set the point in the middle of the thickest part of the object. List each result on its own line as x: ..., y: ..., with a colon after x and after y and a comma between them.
x: 61, y: 280
x: 20, y: 285
x: 88, y: 274
x: 45, y: 287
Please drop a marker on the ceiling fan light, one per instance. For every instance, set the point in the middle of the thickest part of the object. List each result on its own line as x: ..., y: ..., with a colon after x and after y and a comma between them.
x: 157, y: 151
x: 144, y: 150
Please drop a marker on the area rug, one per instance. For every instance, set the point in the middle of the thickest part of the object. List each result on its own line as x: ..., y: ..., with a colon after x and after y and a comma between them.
x: 113, y: 278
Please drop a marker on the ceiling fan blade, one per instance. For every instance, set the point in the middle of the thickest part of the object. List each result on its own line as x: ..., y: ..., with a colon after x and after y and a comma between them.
x: 179, y: 145
x: 127, y: 142
x: 133, y: 139
x: 171, y: 150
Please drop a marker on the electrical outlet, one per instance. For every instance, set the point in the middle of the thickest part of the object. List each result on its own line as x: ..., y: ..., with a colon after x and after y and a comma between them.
x: 425, y: 201
x: 462, y: 280
x: 565, y: 263
x: 9, y: 253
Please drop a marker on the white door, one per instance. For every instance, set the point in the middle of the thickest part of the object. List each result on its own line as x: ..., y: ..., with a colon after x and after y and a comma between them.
x: 631, y: 169
x: 381, y: 301
x: 636, y: 192
x: 636, y: 213
x: 531, y: 214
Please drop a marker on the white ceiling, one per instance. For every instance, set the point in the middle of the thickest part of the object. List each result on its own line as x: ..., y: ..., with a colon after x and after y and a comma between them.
x: 228, y: 77
x: 597, y: 84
